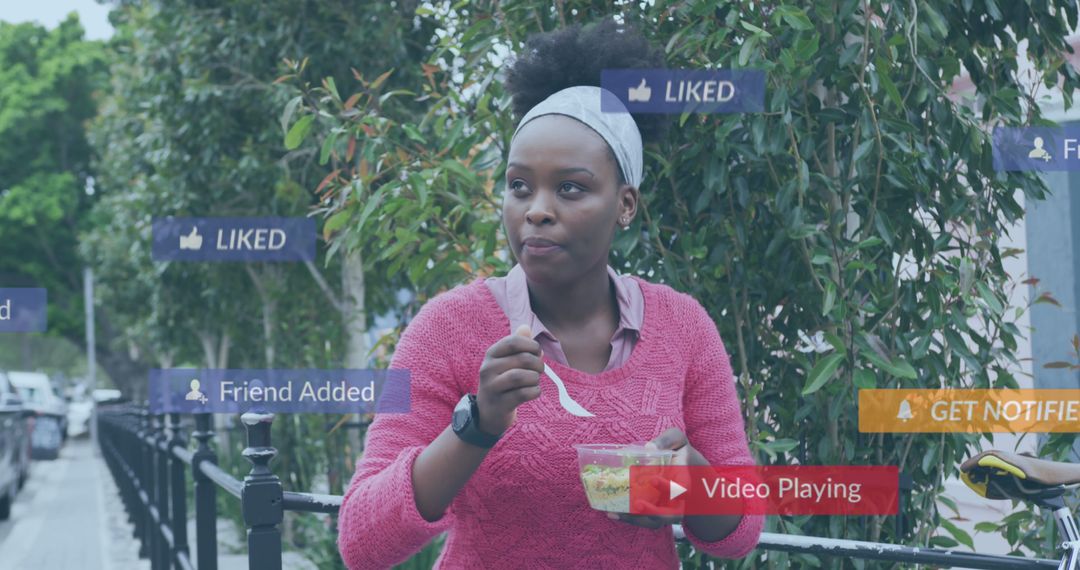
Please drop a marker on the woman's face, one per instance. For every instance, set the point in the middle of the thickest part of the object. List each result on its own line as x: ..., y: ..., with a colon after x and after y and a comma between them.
x: 562, y: 186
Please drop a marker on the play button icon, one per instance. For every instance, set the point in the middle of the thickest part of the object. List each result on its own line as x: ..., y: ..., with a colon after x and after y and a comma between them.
x: 676, y: 490
x: 660, y: 490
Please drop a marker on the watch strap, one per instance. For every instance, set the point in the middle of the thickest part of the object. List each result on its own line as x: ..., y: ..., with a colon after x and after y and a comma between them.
x: 471, y: 433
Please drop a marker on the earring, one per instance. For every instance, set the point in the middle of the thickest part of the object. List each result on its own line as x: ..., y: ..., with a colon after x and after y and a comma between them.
x: 625, y: 222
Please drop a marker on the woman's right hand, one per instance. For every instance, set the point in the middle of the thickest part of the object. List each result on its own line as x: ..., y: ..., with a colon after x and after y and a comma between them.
x: 509, y: 377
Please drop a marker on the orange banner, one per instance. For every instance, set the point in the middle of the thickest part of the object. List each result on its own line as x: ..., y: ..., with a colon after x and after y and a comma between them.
x: 975, y: 411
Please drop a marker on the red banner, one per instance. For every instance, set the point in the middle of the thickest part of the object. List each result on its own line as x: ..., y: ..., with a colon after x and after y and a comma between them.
x: 764, y: 490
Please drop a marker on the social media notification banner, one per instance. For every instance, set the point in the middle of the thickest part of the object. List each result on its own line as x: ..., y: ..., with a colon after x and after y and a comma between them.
x: 23, y: 309
x: 234, y: 239
x: 683, y: 90
x: 313, y: 391
x: 1036, y: 148
x: 978, y: 410
x: 848, y: 490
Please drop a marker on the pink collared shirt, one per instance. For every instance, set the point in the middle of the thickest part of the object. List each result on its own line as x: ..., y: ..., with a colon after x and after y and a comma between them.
x: 512, y: 294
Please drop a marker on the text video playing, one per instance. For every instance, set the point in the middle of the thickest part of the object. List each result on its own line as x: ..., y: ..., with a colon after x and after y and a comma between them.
x: 741, y: 489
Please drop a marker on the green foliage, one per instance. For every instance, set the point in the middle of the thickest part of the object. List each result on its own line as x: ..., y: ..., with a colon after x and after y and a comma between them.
x: 425, y: 211
x: 48, y: 79
x: 58, y: 357
x: 862, y: 179
x: 187, y: 129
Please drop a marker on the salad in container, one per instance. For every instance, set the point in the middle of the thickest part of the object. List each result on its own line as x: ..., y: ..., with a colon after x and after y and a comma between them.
x: 605, y: 471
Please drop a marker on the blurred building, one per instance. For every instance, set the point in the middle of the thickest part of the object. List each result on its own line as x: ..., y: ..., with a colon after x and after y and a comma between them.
x: 1049, y: 239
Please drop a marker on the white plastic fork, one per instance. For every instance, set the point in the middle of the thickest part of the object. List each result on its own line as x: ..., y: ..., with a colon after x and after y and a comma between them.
x: 567, y: 402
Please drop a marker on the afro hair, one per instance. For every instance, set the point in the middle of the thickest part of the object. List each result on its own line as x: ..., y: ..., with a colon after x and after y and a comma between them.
x: 575, y: 55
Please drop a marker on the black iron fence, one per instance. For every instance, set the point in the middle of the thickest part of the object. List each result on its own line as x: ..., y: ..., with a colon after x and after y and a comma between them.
x: 149, y: 458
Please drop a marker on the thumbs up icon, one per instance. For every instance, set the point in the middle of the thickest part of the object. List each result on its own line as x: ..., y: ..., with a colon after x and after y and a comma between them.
x: 192, y: 240
x: 640, y: 93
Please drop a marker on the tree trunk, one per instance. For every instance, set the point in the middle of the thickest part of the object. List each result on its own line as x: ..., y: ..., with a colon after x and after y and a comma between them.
x: 355, y: 313
x: 216, y: 355
x: 354, y: 317
x: 223, y: 350
x: 207, y: 340
x: 263, y: 282
x: 128, y: 372
x: 129, y: 376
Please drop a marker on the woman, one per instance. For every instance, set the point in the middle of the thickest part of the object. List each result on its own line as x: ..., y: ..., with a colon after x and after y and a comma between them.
x: 646, y: 360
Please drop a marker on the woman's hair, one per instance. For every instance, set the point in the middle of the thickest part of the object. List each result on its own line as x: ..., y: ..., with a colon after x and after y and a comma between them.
x: 575, y: 55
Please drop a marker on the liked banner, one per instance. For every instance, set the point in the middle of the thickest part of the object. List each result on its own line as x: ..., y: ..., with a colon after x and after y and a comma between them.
x: 969, y: 411
x: 204, y: 391
x: 680, y: 91
x: 1036, y: 148
x: 23, y: 309
x: 764, y: 490
x: 234, y: 239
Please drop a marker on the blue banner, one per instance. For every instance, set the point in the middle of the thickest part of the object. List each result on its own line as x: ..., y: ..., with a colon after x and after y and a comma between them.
x: 683, y: 90
x: 234, y: 239
x: 23, y: 310
x: 202, y: 391
x: 1036, y: 148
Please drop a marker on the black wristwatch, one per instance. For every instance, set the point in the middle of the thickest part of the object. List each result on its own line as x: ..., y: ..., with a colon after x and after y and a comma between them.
x: 466, y: 421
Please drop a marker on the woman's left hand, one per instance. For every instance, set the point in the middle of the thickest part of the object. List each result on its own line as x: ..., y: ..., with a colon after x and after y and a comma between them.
x: 685, y: 454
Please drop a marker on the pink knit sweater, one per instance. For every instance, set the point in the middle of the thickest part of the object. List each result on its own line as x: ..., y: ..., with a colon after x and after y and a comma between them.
x: 525, y: 506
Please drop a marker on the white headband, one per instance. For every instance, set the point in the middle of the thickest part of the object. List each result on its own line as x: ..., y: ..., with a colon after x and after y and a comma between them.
x: 617, y: 128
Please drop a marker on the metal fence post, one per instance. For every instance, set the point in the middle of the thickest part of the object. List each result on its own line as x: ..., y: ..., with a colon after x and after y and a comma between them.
x: 130, y: 452
x: 262, y: 495
x: 122, y: 427
x: 160, y: 490
x: 144, y: 470
x: 205, y: 495
x: 178, y: 515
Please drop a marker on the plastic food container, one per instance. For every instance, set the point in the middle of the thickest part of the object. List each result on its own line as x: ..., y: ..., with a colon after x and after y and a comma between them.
x: 605, y: 472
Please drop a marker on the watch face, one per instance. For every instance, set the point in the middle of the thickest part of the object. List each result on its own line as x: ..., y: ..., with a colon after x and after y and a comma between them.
x: 461, y: 414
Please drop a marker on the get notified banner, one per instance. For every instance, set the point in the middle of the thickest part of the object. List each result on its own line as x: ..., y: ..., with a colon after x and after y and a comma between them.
x: 969, y: 411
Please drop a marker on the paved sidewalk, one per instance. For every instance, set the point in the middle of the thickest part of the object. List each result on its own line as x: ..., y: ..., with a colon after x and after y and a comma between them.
x: 69, y: 515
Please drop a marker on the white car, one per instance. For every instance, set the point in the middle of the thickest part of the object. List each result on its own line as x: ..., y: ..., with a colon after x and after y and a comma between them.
x: 78, y: 417
x: 107, y: 395
x: 50, y: 427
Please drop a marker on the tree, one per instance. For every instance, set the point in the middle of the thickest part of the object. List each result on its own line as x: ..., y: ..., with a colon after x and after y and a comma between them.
x: 862, y: 179
x: 188, y: 129
x: 185, y: 133
x: 49, y: 82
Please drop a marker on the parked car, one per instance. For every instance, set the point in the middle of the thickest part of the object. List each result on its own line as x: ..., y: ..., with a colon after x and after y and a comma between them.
x: 108, y: 396
x: 50, y: 412
x: 15, y: 429
x: 78, y: 417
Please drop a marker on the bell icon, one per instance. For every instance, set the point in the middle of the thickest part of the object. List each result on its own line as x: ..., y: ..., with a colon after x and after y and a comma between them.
x: 905, y: 411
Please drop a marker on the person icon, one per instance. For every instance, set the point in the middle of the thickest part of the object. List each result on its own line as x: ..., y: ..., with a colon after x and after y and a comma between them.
x: 195, y: 393
x: 1039, y: 151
